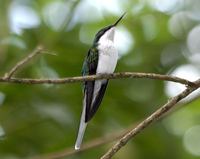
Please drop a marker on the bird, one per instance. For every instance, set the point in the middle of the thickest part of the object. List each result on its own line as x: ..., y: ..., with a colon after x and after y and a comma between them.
x: 101, y: 58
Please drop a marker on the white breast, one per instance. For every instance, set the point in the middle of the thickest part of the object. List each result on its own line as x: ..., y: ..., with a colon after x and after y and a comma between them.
x: 108, y: 57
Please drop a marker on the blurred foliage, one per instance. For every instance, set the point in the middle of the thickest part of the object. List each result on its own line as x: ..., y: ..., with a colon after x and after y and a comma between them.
x: 39, y: 119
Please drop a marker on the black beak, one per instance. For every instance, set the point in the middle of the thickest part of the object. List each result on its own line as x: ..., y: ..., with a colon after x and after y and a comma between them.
x: 119, y: 20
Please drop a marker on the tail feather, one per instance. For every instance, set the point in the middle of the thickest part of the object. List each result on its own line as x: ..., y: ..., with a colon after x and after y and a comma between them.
x: 80, y: 135
x: 82, y: 127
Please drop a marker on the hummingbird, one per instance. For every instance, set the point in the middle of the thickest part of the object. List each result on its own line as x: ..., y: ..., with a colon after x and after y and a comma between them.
x: 101, y: 59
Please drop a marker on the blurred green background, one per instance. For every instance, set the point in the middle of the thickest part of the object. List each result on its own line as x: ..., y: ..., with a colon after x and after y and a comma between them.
x: 159, y: 36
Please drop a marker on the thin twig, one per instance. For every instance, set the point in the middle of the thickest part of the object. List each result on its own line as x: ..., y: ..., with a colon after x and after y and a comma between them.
x: 94, y: 77
x: 91, y: 144
x: 149, y: 120
x: 35, y: 52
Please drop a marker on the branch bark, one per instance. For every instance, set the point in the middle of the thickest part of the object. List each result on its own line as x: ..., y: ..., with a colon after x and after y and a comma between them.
x: 119, y: 75
x: 35, y: 52
x: 149, y: 120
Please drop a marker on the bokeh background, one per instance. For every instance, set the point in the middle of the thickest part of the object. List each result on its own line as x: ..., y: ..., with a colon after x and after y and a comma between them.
x: 159, y: 36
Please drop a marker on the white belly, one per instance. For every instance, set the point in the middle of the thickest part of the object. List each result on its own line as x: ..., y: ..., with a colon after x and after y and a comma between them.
x: 107, y: 62
x: 108, y: 57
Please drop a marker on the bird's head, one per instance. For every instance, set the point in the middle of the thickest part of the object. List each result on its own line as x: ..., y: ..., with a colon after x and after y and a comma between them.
x: 108, y: 32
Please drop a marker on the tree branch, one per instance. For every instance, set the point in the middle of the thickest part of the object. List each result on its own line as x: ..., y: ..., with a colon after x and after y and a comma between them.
x: 8, y: 76
x: 35, y: 52
x: 119, y: 75
x: 149, y: 120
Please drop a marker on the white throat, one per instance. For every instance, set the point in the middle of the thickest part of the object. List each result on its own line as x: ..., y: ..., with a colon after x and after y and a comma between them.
x: 108, y: 35
x: 108, y: 54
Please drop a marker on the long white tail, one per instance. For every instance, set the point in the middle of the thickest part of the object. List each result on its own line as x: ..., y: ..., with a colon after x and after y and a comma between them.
x: 82, y: 128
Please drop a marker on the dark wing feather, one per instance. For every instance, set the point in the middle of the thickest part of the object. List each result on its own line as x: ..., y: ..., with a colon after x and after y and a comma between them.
x: 89, y: 68
x: 97, y: 100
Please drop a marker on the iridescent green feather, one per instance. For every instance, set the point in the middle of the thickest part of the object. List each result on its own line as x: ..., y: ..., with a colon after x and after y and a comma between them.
x: 90, y: 62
